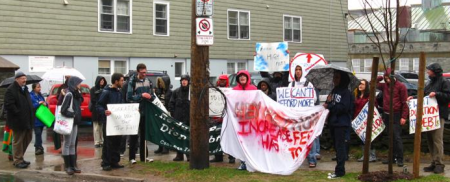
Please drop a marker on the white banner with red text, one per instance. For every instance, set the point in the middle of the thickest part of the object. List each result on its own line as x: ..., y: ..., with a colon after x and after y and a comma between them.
x: 430, y: 117
x: 269, y: 137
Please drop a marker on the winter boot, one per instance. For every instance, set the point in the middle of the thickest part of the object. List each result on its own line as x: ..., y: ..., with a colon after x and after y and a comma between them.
x: 73, y: 159
x: 438, y: 169
x: 67, y: 165
x: 217, y: 158
x: 179, y: 157
x: 373, y: 157
x: 429, y: 168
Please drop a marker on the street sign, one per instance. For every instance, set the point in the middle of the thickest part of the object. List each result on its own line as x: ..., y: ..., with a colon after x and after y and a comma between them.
x: 204, y: 32
x: 204, y: 7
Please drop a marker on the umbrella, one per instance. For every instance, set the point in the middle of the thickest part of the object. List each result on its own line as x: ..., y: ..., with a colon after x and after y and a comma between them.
x: 30, y: 80
x: 321, y: 76
x: 58, y: 74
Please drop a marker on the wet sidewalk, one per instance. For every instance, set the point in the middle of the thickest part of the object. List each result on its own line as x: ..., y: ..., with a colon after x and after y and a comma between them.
x: 49, y: 167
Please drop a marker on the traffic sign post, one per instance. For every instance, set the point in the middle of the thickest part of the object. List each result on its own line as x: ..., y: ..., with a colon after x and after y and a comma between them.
x: 204, y: 7
x: 204, y: 32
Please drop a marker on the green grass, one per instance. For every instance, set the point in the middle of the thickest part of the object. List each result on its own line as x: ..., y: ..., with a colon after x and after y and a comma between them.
x: 173, y: 171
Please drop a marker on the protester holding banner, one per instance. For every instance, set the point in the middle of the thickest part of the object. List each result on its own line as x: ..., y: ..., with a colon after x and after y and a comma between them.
x: 72, y: 98
x: 139, y: 90
x: 37, y: 99
x: 164, y: 94
x: 111, y: 147
x: 362, y: 97
x: 340, y: 104
x: 438, y: 87
x: 96, y: 90
x: 179, y: 106
x: 401, y: 111
x: 244, y: 83
x: 264, y: 86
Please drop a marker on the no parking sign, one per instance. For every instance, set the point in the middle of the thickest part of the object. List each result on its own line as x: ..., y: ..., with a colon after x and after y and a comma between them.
x: 205, y: 33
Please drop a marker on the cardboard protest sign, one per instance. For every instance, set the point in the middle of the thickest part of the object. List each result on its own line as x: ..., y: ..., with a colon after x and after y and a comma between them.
x: 430, y: 118
x: 217, y: 101
x: 359, y: 124
x: 307, y: 61
x: 296, y: 96
x: 124, y: 119
x: 271, y: 57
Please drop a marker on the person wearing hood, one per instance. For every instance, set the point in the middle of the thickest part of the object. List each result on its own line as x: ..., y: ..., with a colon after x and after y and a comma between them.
x: 111, y: 148
x: 340, y: 103
x: 61, y: 92
x: 277, y: 80
x: 223, y: 81
x: 401, y: 111
x: 72, y: 98
x: 100, y: 83
x: 179, y: 106
x: 437, y: 87
x: 163, y: 93
x: 20, y: 117
x: 244, y: 81
x: 264, y: 86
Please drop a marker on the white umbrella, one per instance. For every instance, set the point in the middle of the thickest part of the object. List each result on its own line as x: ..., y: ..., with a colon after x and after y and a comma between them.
x: 58, y: 74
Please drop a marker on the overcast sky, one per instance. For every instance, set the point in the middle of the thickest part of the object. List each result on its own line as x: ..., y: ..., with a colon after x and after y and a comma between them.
x: 358, y: 4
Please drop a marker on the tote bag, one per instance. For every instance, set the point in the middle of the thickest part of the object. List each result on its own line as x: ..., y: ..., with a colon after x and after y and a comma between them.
x: 63, y: 125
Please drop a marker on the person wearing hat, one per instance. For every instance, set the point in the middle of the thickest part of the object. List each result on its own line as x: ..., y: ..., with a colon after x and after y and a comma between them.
x: 179, y: 106
x: 20, y: 117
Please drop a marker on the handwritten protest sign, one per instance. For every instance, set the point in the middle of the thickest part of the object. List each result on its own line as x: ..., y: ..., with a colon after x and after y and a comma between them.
x: 159, y: 104
x: 124, y: 119
x: 307, y: 61
x: 359, y: 124
x: 217, y: 101
x: 271, y: 57
x: 430, y: 118
x: 296, y: 97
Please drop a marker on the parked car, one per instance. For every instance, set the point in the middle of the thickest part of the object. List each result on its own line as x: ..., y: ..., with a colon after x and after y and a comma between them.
x: 411, y: 87
x: 151, y: 74
x: 85, y: 113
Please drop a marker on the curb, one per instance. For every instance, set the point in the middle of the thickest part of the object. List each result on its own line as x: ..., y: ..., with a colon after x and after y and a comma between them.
x: 62, y: 176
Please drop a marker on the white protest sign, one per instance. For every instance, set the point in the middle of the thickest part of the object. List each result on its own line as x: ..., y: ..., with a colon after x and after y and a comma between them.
x: 271, y: 57
x: 296, y: 96
x: 217, y: 101
x: 159, y: 104
x: 430, y: 118
x: 124, y: 119
x: 359, y: 124
x: 307, y: 61
x: 40, y: 63
x: 204, y: 32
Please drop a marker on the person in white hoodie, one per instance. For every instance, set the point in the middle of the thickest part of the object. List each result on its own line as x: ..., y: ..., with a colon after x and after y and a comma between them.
x: 301, y: 82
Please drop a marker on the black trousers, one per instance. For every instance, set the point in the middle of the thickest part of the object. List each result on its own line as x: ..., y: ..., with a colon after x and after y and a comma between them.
x: 398, y: 142
x: 111, y: 148
x: 134, y: 141
x: 339, y: 135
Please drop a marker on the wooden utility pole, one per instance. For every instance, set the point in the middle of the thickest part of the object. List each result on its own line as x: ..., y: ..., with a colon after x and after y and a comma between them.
x: 391, y: 116
x: 418, y: 132
x: 199, y: 144
x: 368, y: 141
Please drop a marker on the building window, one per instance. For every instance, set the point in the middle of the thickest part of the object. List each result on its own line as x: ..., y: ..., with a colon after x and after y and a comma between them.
x: 161, y: 21
x: 105, y: 67
x: 115, y: 16
x: 234, y: 67
x: 292, y: 28
x: 367, y: 65
x: 416, y: 64
x: 404, y: 64
x: 230, y: 68
x: 179, y: 69
x: 238, y: 24
x: 356, y: 64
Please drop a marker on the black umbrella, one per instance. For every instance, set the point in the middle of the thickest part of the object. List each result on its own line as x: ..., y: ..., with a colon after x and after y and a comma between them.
x: 30, y: 80
x: 321, y: 76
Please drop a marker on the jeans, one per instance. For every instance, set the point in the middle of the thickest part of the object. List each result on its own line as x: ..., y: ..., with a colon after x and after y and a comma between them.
x: 38, y: 137
x: 398, y: 142
x: 69, y: 143
x: 313, y: 152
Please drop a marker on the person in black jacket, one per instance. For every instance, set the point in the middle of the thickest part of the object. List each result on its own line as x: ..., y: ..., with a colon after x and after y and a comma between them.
x: 340, y: 104
x: 111, y: 148
x: 20, y: 117
x: 437, y: 87
x: 73, y: 97
x: 164, y: 94
x: 179, y: 106
x: 264, y: 86
x: 96, y: 90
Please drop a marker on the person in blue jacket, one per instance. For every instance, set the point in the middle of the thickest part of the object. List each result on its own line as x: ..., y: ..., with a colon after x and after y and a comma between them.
x: 340, y: 104
x: 37, y: 99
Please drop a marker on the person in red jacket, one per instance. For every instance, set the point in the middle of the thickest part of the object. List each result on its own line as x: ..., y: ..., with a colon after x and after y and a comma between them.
x: 401, y: 111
